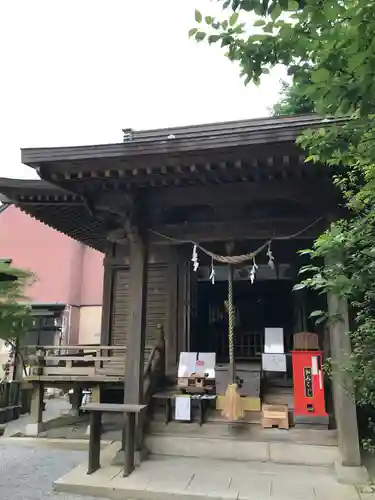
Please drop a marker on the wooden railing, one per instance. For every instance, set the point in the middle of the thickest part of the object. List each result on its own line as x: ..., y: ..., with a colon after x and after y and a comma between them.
x: 155, y: 366
x: 90, y: 361
x: 75, y: 361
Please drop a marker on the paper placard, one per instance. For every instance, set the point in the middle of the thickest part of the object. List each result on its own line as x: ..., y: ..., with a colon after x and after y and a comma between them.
x: 314, y: 365
x: 206, y: 363
x: 274, y: 362
x: 182, y: 408
x: 274, y: 340
x: 187, y: 364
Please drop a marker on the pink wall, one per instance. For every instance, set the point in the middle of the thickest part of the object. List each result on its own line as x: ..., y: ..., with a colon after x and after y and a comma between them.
x: 92, y: 277
x: 67, y: 271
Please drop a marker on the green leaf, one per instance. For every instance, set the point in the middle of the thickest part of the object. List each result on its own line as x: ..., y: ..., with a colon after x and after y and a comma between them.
x: 259, y: 22
x: 320, y: 75
x: 299, y: 286
x: 226, y: 40
x: 213, y: 38
x: 200, y: 36
x: 356, y: 61
x: 192, y: 32
x: 233, y: 19
x: 268, y: 28
x: 198, y: 16
x: 209, y: 20
x: 317, y: 313
x: 276, y: 12
x: 293, y: 5
x: 320, y: 319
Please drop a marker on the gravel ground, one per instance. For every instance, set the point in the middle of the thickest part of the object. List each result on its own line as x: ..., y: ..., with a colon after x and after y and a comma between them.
x: 27, y: 471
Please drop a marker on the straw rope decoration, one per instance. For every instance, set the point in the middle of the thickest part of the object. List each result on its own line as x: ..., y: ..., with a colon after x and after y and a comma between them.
x: 237, y: 259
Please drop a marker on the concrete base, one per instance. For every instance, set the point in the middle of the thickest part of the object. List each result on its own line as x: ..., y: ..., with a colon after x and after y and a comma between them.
x: 177, y: 478
x: 34, y: 429
x: 74, y: 412
x: 351, y: 475
x: 140, y: 456
x: 311, y: 420
x: 244, y: 450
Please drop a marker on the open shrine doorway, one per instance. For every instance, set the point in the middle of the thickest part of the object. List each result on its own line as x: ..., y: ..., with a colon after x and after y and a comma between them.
x: 268, y: 302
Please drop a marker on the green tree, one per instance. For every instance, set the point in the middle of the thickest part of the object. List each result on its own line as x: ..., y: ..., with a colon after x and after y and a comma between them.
x: 328, y: 47
x: 292, y: 101
x: 15, y: 312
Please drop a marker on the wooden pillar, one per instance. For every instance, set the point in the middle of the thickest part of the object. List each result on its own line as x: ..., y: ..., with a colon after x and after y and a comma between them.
x: 136, y: 337
x: 107, y: 304
x: 37, y: 400
x: 76, y: 400
x: 95, y: 394
x: 342, y: 384
x: 171, y: 328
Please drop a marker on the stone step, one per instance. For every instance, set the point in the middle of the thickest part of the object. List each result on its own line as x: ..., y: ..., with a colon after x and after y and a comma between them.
x: 275, y: 450
x: 244, y: 431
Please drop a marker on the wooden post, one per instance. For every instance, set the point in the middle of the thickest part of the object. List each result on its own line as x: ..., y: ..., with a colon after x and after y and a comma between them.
x: 344, y: 405
x: 136, y: 338
x: 134, y: 364
x: 37, y: 400
x: 94, y: 443
x: 107, y: 304
x: 95, y: 394
x: 129, y: 444
x: 76, y: 400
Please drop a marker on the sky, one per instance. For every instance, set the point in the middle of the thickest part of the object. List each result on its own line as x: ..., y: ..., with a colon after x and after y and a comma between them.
x: 78, y: 71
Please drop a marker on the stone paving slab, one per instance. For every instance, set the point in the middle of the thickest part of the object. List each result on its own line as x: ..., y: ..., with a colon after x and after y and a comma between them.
x: 174, y: 478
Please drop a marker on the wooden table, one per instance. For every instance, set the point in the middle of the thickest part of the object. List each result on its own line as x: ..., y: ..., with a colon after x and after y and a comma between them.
x: 96, y: 410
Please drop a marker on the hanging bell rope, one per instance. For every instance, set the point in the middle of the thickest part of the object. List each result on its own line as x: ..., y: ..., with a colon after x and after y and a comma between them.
x: 232, y: 407
x: 231, y: 321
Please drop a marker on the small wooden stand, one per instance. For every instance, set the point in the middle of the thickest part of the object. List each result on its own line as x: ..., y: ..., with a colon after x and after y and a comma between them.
x: 196, y: 383
x: 275, y: 415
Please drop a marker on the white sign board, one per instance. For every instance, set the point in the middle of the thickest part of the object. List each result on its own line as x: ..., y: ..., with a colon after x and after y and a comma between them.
x: 206, y: 363
x: 187, y: 364
x: 274, y: 340
x: 314, y: 365
x: 182, y: 408
x: 274, y: 362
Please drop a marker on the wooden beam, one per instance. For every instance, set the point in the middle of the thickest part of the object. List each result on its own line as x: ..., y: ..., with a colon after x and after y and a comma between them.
x: 238, y: 230
x: 238, y: 192
x: 138, y: 248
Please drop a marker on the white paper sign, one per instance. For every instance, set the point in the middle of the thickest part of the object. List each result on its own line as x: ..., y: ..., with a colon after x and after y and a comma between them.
x: 274, y: 362
x: 182, y: 408
x: 206, y: 363
x: 314, y: 365
x: 187, y: 364
x: 274, y: 340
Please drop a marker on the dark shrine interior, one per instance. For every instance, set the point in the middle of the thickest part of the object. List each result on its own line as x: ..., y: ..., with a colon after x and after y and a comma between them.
x: 265, y: 303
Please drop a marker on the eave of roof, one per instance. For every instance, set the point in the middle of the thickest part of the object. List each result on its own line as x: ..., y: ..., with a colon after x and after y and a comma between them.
x: 48, y: 204
x: 59, y: 200
x: 183, y: 139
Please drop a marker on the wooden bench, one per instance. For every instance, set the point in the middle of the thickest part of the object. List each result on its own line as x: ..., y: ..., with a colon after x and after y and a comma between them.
x: 96, y: 410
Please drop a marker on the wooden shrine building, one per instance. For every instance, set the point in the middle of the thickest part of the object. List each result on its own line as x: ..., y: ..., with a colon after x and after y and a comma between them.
x: 146, y: 201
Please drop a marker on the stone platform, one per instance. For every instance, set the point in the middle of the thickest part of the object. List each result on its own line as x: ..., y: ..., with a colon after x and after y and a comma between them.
x: 177, y: 478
